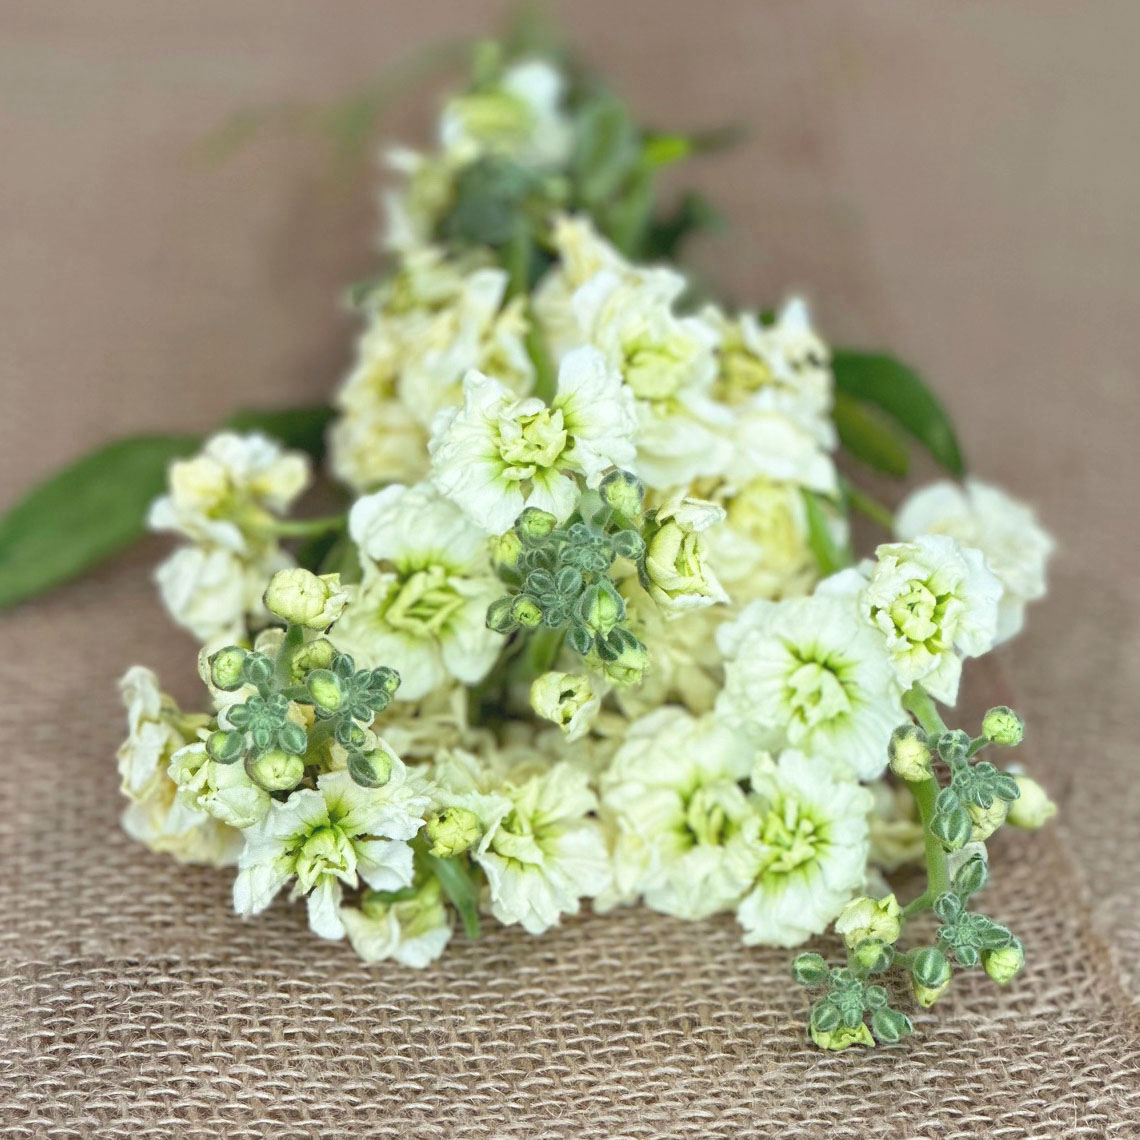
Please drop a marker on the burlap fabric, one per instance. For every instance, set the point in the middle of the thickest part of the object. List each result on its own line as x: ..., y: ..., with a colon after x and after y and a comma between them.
x: 954, y: 180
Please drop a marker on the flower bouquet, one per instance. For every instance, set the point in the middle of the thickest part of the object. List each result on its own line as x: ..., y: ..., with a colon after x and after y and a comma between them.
x: 590, y: 627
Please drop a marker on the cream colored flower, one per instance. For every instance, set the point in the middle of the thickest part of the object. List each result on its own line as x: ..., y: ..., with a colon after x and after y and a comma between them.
x: 223, y: 791
x: 497, y: 455
x: 864, y: 917
x: 520, y: 116
x: 808, y: 673
x: 412, y: 931
x: 545, y: 853
x: 674, y: 805
x: 1015, y: 546
x: 299, y: 595
x: 337, y: 833
x: 806, y: 843
x: 934, y: 602
x: 569, y: 700
x: 677, y: 572
x: 422, y: 605
x: 228, y: 495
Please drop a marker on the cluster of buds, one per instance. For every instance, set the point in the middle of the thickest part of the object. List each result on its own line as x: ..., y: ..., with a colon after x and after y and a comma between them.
x: 301, y: 696
x: 837, y: 1018
x: 559, y: 577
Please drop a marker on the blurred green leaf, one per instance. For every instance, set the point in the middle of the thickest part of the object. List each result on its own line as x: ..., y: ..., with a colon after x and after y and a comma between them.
x: 830, y: 555
x: 896, y: 389
x: 461, y: 887
x: 83, y: 514
x: 869, y: 437
x: 666, y: 234
x: 607, y: 148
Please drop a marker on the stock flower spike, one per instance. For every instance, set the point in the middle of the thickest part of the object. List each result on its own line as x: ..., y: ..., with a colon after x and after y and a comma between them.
x: 588, y: 629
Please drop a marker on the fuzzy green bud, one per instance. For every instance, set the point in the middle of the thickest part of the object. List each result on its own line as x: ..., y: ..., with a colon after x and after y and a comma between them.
x: 954, y: 745
x: 1003, y: 726
x: 1033, y: 808
x: 1004, y: 964
x: 629, y: 665
x: 452, y: 831
x: 986, y: 820
x: 810, y: 970
x: 526, y: 612
x: 952, y: 829
x: 277, y: 771
x: 623, y: 492
x: 298, y: 595
x: 506, y: 551
x: 534, y: 525
x: 601, y: 608
x: 930, y: 975
x: 873, y: 954
x: 890, y: 1025
x: 226, y: 668
x: 225, y: 747
x: 499, y: 615
x: 325, y: 689
x: 909, y: 754
x: 318, y: 654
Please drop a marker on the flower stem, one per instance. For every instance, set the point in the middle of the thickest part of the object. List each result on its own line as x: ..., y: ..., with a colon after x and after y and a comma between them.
x: 917, y: 701
x: 303, y: 528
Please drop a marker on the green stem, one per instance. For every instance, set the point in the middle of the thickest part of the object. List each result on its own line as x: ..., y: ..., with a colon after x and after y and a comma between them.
x: 918, y: 702
x: 303, y: 528
x: 869, y: 507
x: 541, y: 651
x: 294, y: 635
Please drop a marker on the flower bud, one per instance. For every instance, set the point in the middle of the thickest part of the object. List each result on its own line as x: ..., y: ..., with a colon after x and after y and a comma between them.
x: 1033, y: 808
x: 629, y: 665
x: 986, y: 820
x: 1003, y: 726
x: 867, y: 918
x: 452, y: 831
x: 292, y: 737
x: 810, y: 970
x: 300, y: 596
x: 909, y: 754
x: 317, y: 654
x: 954, y: 745
x: 277, y: 771
x: 1004, y: 964
x: 567, y: 699
x: 526, y: 612
x: 952, y: 829
x: 225, y: 747
x: 370, y: 769
x: 841, y: 1037
x: 600, y: 608
x: 325, y: 689
x: 676, y: 571
x: 533, y: 525
x: 930, y: 974
x: 506, y: 551
x: 499, y: 616
x: 226, y: 668
x: 623, y: 492
x: 873, y: 954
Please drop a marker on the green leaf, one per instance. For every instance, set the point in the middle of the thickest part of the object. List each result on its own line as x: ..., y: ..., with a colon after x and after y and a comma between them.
x: 868, y: 436
x: 694, y: 212
x: 880, y: 380
x: 461, y: 887
x: 607, y: 148
x: 830, y: 556
x: 83, y: 514
x: 299, y: 428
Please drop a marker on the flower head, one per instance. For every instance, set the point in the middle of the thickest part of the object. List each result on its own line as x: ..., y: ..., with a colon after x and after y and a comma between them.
x: 497, y: 454
x: 677, y: 571
x: 411, y: 927
x: 808, y: 673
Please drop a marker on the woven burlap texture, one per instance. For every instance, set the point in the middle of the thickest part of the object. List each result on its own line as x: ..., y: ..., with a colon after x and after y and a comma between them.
x: 949, y: 179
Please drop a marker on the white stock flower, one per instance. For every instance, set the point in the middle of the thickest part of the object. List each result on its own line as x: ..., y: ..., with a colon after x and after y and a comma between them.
x: 809, y: 673
x: 498, y: 454
x: 421, y: 607
x: 1015, y: 546
x: 520, y: 117
x: 673, y: 803
x: 545, y: 853
x: 330, y: 837
x: 677, y: 572
x: 804, y: 847
x: 569, y: 700
x: 412, y: 931
x: 934, y: 602
x: 223, y: 791
x: 211, y: 591
x: 227, y: 495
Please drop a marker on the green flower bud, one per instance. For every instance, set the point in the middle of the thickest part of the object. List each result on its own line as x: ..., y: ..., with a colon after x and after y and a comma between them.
x: 1004, y: 964
x: 277, y: 771
x: 810, y: 970
x: 452, y: 831
x: 601, y: 608
x: 225, y: 747
x: 292, y: 737
x: 926, y: 996
x: 567, y: 699
x: 954, y: 745
x: 930, y: 971
x: 386, y: 679
x: 372, y: 769
x: 298, y: 595
x: 1003, y: 726
x: 257, y: 668
x: 971, y: 876
x: 499, y: 615
x: 866, y: 918
x: 1033, y: 808
x: 835, y: 1040
x: 910, y: 754
x: 505, y: 552
x: 534, y: 525
x: 226, y: 668
x: 629, y: 665
x: 325, y: 688
x: 526, y: 612
x: 873, y: 954
x: 952, y: 829
x: 890, y: 1025
x: 623, y: 492
x: 986, y: 820
x: 628, y: 544
x: 317, y: 654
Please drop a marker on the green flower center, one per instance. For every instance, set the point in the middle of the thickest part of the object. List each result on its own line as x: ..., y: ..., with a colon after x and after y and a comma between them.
x: 533, y: 442
x: 707, y: 816
x: 497, y: 119
x: 917, y: 613
x: 325, y: 851
x: 655, y: 370
x: 791, y: 838
x: 423, y: 603
x: 816, y: 693
x: 742, y: 373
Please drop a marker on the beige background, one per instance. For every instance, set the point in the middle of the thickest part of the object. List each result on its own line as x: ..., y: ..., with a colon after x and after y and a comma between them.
x: 956, y: 180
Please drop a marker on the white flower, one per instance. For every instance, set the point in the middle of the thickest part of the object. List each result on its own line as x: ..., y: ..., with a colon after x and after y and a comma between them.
x: 309, y: 599
x: 211, y: 591
x: 422, y: 605
x: 545, y: 853
x: 520, y: 116
x: 227, y: 495
x: 1007, y: 533
x: 497, y: 454
x: 337, y: 834
x: 412, y: 931
x: 934, y: 601
x: 673, y: 801
x: 570, y: 700
x: 677, y: 572
x: 807, y: 843
x: 223, y: 791
x: 809, y: 673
